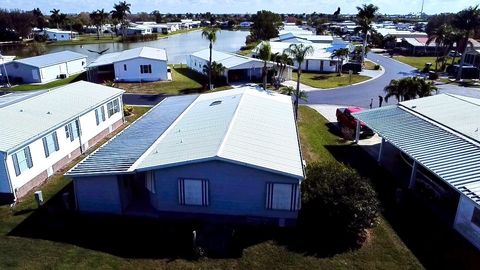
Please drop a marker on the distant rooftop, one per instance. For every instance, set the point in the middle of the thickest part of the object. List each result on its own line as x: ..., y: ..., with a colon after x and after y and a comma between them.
x: 140, y: 52
x: 50, y: 59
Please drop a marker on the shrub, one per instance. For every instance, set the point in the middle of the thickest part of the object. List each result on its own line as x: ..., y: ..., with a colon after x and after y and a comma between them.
x: 376, y: 67
x: 338, y: 206
x: 432, y: 75
x: 127, y: 110
x: 139, y: 38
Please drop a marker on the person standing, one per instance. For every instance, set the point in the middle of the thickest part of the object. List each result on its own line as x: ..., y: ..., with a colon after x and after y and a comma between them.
x: 380, y: 101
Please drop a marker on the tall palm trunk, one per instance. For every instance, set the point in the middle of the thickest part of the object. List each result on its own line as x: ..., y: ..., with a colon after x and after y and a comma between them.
x: 297, y: 92
x: 264, y: 75
x: 462, y: 61
x: 210, y: 68
x: 364, y: 47
x: 436, y: 57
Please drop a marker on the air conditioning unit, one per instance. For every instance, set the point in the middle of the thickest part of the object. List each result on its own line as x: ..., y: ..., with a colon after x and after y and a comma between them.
x: 62, y: 76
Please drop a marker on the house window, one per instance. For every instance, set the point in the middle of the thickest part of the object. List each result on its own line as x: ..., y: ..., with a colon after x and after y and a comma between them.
x: 72, y: 130
x: 100, y: 115
x: 150, y: 182
x: 113, y: 107
x: 476, y: 217
x: 333, y: 63
x: 50, y: 143
x: 125, y: 67
x: 193, y: 192
x: 22, y: 160
x: 145, y: 69
x: 283, y: 197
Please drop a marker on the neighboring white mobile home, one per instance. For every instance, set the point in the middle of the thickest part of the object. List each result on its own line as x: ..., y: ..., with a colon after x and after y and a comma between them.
x: 42, y: 132
x: 143, y: 64
x: 46, y: 68
x: 60, y: 35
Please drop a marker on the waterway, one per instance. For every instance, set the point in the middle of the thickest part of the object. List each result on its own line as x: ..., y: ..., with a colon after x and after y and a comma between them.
x: 177, y: 46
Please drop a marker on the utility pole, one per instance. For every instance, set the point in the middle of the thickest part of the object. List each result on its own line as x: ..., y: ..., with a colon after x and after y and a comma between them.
x: 421, y: 11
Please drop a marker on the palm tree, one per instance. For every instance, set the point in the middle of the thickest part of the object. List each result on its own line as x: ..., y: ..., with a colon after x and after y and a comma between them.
x: 340, y: 54
x: 467, y: 20
x: 439, y: 36
x: 265, y: 53
x: 210, y: 34
x: 282, y: 60
x: 290, y: 91
x: 409, y: 88
x: 98, y: 18
x: 55, y: 16
x: 217, y: 70
x: 119, y: 13
x: 365, y: 16
x: 298, y: 52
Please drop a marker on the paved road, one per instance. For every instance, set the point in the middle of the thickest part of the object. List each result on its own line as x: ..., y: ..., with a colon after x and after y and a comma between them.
x: 360, y: 95
x: 357, y: 95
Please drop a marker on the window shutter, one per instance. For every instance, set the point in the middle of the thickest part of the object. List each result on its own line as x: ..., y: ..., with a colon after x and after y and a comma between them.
x: 45, y: 146
x: 205, y: 194
x: 77, y: 125
x: 102, y: 110
x: 55, y: 141
x: 15, y: 164
x: 294, y: 198
x: 269, y: 198
x: 97, y: 118
x: 70, y: 131
x: 28, y: 155
x: 67, y: 133
x: 181, y: 192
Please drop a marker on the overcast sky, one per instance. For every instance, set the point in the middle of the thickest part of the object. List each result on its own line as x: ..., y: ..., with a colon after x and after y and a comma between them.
x: 243, y: 6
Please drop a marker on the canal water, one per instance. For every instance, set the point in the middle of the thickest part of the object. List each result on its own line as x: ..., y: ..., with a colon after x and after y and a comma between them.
x: 177, y: 46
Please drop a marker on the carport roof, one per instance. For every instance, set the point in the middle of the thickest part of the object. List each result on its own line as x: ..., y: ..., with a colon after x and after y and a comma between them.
x: 441, y: 133
x: 50, y: 59
x: 140, y: 52
x: 228, y: 60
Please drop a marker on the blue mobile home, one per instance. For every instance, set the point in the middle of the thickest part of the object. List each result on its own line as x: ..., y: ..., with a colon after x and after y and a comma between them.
x: 231, y: 155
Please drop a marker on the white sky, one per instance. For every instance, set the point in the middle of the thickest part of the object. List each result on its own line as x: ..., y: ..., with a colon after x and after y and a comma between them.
x: 243, y: 6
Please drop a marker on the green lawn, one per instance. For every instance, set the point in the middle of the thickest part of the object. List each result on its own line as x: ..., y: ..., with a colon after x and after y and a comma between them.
x: 419, y: 61
x: 369, y: 65
x: 247, y: 49
x: 86, y: 39
x: 30, y: 87
x: 384, y: 250
x: 329, y: 80
x: 184, y: 81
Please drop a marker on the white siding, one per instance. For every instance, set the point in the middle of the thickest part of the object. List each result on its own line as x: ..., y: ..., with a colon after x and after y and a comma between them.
x: 196, y: 63
x: 89, y: 129
x: 58, y: 36
x: 76, y: 66
x: 463, y: 223
x: 133, y: 74
x: 51, y: 73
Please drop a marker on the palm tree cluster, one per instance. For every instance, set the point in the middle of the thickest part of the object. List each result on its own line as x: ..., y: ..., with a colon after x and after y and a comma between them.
x: 119, y: 14
x: 98, y: 18
x: 216, y: 71
x: 340, y: 54
x: 453, y: 32
x: 409, y: 88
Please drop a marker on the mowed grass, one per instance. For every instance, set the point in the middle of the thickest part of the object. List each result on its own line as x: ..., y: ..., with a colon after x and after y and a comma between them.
x: 184, y: 81
x: 56, y: 83
x: 86, y: 39
x: 420, y: 61
x: 329, y: 80
x: 384, y: 250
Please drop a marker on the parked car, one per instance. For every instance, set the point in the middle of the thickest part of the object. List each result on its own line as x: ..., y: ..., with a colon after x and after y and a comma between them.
x: 468, y: 72
x: 454, y: 54
x: 348, y: 124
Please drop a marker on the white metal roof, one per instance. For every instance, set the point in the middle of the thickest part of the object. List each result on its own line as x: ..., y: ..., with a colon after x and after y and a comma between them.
x: 33, y: 117
x: 140, y: 52
x: 321, y: 51
x: 439, y: 132
x: 228, y: 60
x: 249, y: 127
x: 50, y: 59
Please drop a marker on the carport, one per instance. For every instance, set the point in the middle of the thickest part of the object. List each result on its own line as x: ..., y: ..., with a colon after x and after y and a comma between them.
x: 440, y: 134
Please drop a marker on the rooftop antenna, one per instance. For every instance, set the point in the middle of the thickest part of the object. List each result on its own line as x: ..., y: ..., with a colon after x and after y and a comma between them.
x: 421, y: 11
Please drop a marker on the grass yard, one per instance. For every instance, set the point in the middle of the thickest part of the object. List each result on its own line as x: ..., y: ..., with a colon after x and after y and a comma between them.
x: 24, y: 245
x: 30, y: 87
x: 329, y: 80
x: 86, y: 39
x: 185, y: 81
x: 369, y: 65
x: 418, y: 62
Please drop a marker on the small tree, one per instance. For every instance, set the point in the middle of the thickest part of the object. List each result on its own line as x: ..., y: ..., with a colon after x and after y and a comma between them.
x: 340, y: 54
x: 217, y: 70
x: 98, y: 18
x: 338, y: 206
x: 289, y: 91
x: 409, y: 88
